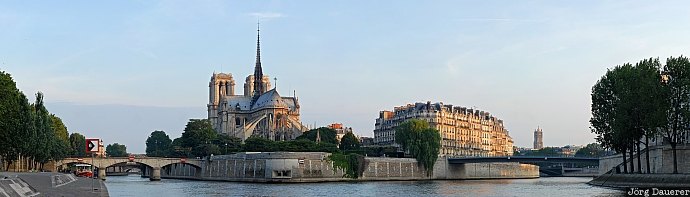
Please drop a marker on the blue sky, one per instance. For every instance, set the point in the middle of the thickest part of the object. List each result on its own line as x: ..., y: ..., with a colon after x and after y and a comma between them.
x: 120, y: 69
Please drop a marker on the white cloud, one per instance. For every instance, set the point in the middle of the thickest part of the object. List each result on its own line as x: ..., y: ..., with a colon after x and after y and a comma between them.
x: 267, y: 15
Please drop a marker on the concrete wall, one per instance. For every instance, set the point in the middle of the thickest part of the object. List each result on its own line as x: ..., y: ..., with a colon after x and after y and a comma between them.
x: 378, y: 168
x: 443, y: 170
x: 660, y: 160
x: 315, y: 167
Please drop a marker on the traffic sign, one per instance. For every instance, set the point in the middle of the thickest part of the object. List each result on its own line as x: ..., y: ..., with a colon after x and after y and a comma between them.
x: 93, y: 145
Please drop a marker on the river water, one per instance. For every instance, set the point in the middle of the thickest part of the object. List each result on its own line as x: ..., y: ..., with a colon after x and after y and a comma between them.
x: 134, y: 185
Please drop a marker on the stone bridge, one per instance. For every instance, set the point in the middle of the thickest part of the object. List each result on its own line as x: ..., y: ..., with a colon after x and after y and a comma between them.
x: 152, y: 164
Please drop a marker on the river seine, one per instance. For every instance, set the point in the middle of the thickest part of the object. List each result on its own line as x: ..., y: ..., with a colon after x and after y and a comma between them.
x: 134, y: 185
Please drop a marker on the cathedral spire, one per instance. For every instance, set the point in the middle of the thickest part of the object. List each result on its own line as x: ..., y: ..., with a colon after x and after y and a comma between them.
x: 258, y: 72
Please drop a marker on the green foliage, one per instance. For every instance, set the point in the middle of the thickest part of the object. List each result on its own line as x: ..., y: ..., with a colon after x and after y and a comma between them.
x: 228, y: 144
x: 677, y: 86
x: 352, y: 164
x: 59, y: 128
x: 328, y: 135
x: 42, y: 150
x: 205, y: 150
x: 116, y: 150
x: 422, y: 142
x: 349, y: 142
x: 591, y: 150
x: 158, y: 144
x: 15, y: 120
x: 633, y: 102
x: 198, y: 133
x: 178, y: 150
x: 77, y: 143
x: 259, y: 144
x: 546, y: 151
x: 198, y: 140
x: 406, y: 132
x: 379, y: 151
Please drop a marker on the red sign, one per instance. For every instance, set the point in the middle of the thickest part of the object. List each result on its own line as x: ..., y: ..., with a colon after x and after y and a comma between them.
x: 131, y: 158
x: 93, y: 145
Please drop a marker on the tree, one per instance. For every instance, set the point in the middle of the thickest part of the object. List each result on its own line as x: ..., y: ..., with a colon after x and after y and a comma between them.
x: 327, y: 135
x: 158, y: 144
x: 258, y: 144
x: 77, y: 144
x: 15, y: 120
x: 178, y: 150
x: 59, y: 128
x: 423, y: 142
x: 629, y: 106
x: 349, y: 142
x: 651, y: 105
x: 228, y: 144
x: 198, y: 132
x: 60, y: 142
x: 405, y: 133
x: 603, y: 106
x: 116, y: 150
x: 677, y: 84
x: 591, y: 150
x: 44, y: 135
x: 546, y: 151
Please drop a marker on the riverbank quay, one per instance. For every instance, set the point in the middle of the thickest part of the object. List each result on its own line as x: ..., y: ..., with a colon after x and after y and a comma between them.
x: 50, y: 184
x: 308, y: 167
x: 642, y: 180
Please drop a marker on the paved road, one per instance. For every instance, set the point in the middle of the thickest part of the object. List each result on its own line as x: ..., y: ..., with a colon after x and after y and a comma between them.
x: 49, y: 184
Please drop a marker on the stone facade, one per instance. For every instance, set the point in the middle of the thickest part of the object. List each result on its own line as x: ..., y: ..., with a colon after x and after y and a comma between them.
x: 260, y: 111
x: 464, y: 132
x: 538, y: 139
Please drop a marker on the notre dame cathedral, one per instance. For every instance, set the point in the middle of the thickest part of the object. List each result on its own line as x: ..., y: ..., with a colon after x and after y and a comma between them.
x: 260, y: 111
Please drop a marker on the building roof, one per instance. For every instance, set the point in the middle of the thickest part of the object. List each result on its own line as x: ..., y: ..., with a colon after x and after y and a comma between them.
x: 270, y: 99
x: 243, y: 102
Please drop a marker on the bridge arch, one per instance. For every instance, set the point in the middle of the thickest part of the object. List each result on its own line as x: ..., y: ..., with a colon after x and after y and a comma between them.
x: 152, y: 162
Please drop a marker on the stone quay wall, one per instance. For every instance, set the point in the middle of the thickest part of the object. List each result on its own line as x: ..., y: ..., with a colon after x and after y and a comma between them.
x: 642, y: 180
x: 660, y: 160
x: 315, y: 167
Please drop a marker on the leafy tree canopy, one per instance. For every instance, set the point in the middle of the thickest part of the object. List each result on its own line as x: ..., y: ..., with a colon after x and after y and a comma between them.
x: 116, y: 150
x: 349, y: 142
x: 328, y: 135
x: 591, y: 150
x: 77, y: 144
x: 158, y: 144
x: 422, y: 142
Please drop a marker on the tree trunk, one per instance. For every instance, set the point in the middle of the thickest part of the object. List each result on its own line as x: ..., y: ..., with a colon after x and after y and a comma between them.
x: 632, y: 158
x: 7, y: 168
x: 639, y: 158
x: 625, y: 161
x: 675, y: 159
x: 649, y: 168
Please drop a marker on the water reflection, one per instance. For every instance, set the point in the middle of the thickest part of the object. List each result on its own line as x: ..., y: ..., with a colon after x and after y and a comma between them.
x: 561, y: 186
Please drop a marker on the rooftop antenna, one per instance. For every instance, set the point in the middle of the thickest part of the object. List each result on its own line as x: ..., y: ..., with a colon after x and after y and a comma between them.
x: 275, y: 82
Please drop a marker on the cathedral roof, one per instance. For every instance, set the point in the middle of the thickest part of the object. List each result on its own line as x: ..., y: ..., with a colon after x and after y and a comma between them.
x: 269, y: 99
x: 244, y: 103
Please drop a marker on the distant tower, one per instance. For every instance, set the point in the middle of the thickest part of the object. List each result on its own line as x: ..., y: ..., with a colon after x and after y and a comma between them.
x: 538, y: 139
